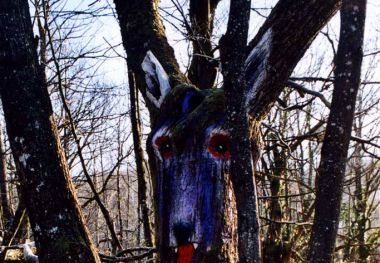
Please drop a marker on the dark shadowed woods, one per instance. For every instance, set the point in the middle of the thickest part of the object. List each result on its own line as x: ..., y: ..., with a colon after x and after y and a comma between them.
x: 258, y: 147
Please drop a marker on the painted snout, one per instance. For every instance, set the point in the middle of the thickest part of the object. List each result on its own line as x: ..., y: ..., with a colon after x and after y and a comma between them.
x: 194, y: 203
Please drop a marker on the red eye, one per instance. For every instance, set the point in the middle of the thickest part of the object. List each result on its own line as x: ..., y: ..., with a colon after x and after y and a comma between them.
x: 164, y: 146
x: 219, y: 146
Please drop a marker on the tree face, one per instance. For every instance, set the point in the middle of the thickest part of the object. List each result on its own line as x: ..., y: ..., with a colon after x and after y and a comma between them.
x: 192, y: 152
x: 251, y: 84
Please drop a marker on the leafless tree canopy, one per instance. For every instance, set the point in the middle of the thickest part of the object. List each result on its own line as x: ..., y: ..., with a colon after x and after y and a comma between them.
x: 189, y: 131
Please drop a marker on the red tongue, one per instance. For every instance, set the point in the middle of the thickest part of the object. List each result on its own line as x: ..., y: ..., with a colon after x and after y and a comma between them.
x: 185, y: 253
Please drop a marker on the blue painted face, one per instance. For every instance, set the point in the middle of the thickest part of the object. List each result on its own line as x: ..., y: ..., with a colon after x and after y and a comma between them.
x: 192, y: 154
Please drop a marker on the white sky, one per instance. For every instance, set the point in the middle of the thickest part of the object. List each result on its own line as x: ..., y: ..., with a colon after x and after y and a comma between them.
x: 105, y: 30
x: 108, y: 29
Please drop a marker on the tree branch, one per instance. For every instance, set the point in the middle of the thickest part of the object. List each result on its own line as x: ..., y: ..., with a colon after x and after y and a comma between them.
x: 303, y: 89
x: 288, y: 32
x: 142, y: 30
x: 202, y: 71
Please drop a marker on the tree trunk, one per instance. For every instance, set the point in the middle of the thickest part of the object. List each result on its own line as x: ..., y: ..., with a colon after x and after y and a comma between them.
x: 338, y: 132
x: 274, y: 52
x: 203, y: 67
x: 57, y: 221
x: 233, y: 70
x: 140, y: 22
x: 286, y: 35
x: 142, y: 30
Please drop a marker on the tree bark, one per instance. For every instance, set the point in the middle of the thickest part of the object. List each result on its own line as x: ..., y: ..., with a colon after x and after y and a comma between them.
x: 142, y: 30
x: 57, y: 221
x: 203, y: 67
x: 233, y: 70
x: 289, y: 30
x: 338, y: 131
x: 274, y: 53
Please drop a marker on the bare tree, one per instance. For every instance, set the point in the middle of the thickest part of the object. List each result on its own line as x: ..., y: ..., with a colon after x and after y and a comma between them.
x: 338, y: 132
x: 53, y: 209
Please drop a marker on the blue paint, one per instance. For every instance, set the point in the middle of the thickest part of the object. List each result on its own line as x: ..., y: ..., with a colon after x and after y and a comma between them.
x: 190, y: 184
x: 190, y: 101
x: 188, y: 195
x: 186, y: 101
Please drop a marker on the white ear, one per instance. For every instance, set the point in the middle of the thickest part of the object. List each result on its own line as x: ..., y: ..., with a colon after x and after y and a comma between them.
x: 157, y: 80
x: 28, y: 254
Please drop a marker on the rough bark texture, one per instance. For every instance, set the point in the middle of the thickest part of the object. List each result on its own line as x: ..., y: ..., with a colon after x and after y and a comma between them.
x: 233, y: 61
x: 338, y: 131
x: 142, y: 30
x: 203, y: 67
x: 139, y: 156
x: 57, y: 222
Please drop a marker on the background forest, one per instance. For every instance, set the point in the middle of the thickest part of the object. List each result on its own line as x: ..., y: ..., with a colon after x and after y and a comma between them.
x: 103, y: 124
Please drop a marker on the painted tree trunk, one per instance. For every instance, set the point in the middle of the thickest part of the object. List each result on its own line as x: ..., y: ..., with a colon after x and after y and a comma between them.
x: 57, y: 222
x: 191, y: 128
x: 208, y: 223
x: 194, y: 195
